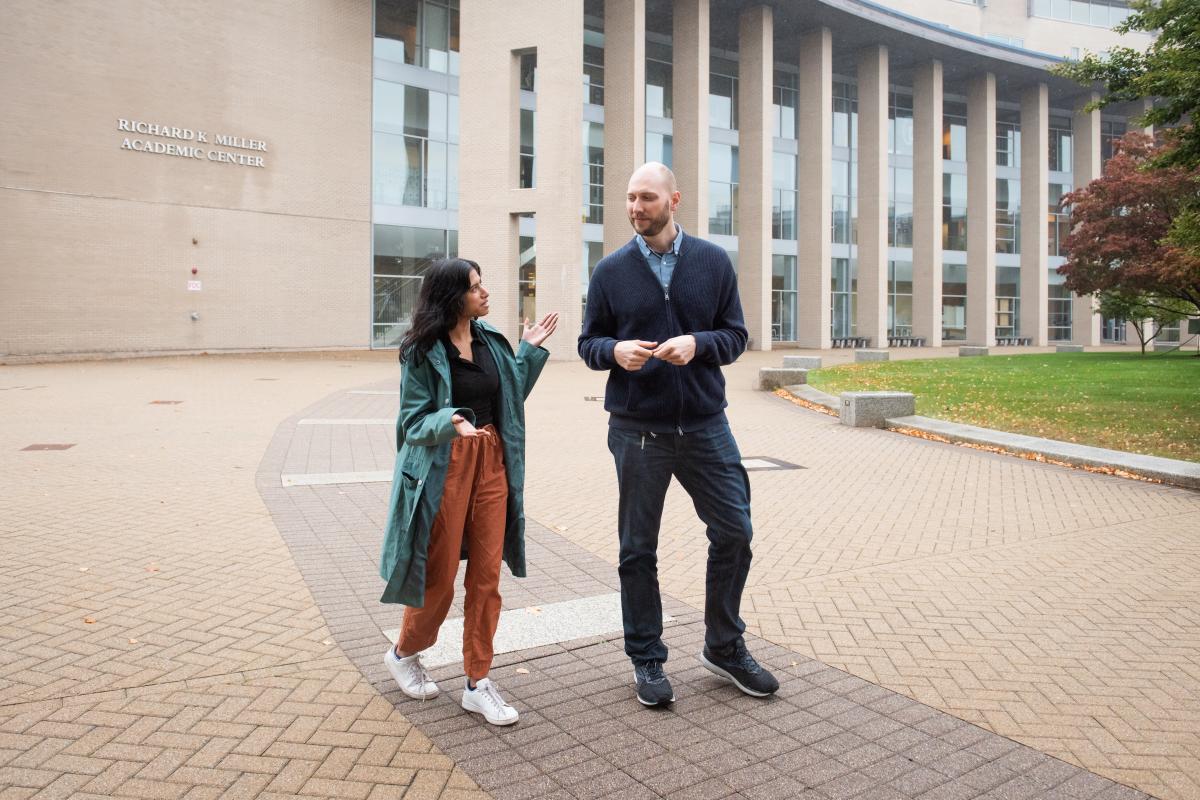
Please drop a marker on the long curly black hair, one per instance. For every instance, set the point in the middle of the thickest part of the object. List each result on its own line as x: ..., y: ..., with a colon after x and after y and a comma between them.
x: 439, y: 306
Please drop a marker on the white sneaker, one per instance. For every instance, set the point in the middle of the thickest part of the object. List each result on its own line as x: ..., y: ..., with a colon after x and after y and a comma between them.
x: 485, y: 699
x: 410, y: 675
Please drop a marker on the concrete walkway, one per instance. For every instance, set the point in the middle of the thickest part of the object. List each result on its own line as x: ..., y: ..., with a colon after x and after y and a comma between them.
x: 947, y: 622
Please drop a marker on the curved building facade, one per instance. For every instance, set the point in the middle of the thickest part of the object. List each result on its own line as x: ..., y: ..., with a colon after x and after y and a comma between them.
x: 277, y: 175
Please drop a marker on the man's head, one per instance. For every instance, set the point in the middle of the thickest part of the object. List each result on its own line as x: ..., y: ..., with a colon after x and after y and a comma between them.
x: 651, y: 199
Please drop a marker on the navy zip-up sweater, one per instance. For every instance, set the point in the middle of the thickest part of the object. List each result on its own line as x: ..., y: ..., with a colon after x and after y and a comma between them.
x: 625, y: 300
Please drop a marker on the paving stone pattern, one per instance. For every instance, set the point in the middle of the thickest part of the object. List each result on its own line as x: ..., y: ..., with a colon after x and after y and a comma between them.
x: 948, y: 623
x: 582, y: 734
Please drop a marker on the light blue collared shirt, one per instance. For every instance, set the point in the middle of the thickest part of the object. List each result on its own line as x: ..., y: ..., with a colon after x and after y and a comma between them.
x: 663, y: 264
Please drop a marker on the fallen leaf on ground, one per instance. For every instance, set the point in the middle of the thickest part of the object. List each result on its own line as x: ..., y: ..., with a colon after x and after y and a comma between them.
x: 88, y: 621
x: 522, y: 671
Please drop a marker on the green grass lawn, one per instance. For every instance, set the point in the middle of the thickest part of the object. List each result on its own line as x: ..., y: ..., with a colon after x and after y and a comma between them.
x: 1124, y: 401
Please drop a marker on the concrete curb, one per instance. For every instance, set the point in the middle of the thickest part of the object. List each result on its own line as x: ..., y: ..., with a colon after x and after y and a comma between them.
x: 1168, y: 470
x: 814, y: 396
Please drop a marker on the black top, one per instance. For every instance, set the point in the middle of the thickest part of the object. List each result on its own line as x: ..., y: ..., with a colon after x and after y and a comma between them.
x: 474, y: 385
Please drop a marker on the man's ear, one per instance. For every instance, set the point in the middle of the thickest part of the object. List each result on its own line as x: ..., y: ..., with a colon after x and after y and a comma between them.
x: 674, y: 200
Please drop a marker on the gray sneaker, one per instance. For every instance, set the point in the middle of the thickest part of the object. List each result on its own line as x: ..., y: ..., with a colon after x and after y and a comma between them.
x: 410, y: 675
x: 653, y: 688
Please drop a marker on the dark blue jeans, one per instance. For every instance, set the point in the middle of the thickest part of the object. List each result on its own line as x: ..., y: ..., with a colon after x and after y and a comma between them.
x: 709, y: 467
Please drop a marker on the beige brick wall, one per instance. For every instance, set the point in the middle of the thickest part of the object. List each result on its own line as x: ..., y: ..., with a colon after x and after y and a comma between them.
x: 488, y: 195
x: 98, y: 243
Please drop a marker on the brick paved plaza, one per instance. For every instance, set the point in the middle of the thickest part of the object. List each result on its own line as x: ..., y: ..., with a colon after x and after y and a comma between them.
x: 946, y: 623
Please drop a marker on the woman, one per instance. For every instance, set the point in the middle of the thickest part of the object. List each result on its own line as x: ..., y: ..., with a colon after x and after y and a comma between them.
x: 459, y: 478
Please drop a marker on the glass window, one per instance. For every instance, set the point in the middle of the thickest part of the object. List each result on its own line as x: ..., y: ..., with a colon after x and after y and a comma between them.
x: 1059, y: 309
x: 1110, y: 132
x: 785, y: 100
x: 723, y: 180
x: 526, y: 277
x: 1008, y: 215
x: 396, y: 25
x: 954, y: 302
x: 843, y: 297
x: 954, y: 211
x: 1058, y: 218
x: 845, y: 114
x: 526, y: 178
x: 658, y: 147
x: 593, y: 172
x: 1008, y: 143
x: 900, y: 123
x: 592, y: 253
x: 1060, y: 144
x: 954, y: 131
x: 1008, y: 301
x: 783, y: 298
x: 900, y: 298
x: 783, y: 196
x: 593, y: 62
x: 420, y: 32
x: 722, y: 93
x: 658, y: 89
x: 401, y: 257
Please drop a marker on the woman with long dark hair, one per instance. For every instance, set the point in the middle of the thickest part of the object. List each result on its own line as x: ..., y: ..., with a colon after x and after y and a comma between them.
x: 459, y: 478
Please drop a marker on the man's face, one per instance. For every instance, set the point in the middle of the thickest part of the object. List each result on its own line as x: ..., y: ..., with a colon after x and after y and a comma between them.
x: 650, y: 205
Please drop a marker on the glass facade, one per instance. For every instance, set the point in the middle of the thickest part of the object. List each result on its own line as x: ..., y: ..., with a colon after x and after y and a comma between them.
x: 722, y: 93
x: 1008, y: 215
x: 722, y: 189
x: 415, y: 146
x: 843, y: 293
x: 1060, y: 143
x: 1058, y: 219
x: 593, y: 172
x: 658, y: 80
x: 900, y: 207
x: 783, y: 298
x: 1103, y: 13
x: 954, y: 211
x: 415, y: 166
x: 401, y: 257
x: 1110, y: 132
x: 423, y: 33
x: 783, y: 196
x: 954, y: 302
x: 900, y: 298
x: 1008, y: 301
x: 1059, y: 301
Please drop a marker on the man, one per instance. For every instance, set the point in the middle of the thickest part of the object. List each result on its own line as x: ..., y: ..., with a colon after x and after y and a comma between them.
x: 663, y: 316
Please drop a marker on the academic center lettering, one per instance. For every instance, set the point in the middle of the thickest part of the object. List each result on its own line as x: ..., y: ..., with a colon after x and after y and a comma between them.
x: 191, y: 143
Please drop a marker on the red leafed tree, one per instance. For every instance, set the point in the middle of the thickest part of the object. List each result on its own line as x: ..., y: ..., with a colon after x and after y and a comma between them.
x: 1120, y: 221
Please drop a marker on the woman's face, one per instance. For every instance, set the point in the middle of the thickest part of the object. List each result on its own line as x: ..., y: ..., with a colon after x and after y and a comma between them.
x: 475, y: 302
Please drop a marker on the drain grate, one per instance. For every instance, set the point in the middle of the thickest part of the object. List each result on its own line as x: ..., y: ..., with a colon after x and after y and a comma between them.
x: 165, y: 402
x: 764, y: 463
x: 48, y: 447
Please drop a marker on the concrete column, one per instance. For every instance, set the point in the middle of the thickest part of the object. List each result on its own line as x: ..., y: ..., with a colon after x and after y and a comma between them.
x: 814, y: 168
x: 624, y: 108
x: 1035, y: 198
x: 873, y: 194
x: 689, y: 136
x: 981, y: 210
x: 493, y: 34
x: 1085, y: 167
x: 756, y: 68
x: 927, y: 202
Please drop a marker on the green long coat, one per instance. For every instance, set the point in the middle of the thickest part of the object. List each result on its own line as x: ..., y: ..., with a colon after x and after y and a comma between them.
x: 423, y: 436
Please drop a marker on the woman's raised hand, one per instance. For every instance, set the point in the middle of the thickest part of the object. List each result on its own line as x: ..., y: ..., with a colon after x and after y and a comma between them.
x: 536, y: 334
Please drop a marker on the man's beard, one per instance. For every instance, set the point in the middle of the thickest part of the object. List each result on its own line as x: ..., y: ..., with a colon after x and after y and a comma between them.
x: 654, y: 224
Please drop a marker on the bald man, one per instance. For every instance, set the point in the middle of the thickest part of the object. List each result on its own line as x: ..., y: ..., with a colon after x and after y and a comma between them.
x: 663, y: 316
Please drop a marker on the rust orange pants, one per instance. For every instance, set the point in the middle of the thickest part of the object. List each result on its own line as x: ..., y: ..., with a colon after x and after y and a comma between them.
x: 474, y: 506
